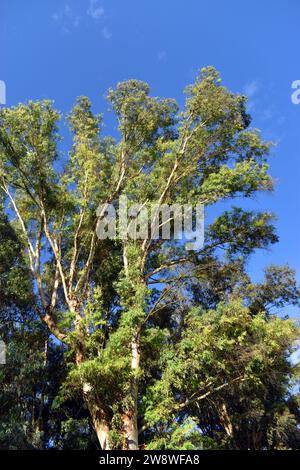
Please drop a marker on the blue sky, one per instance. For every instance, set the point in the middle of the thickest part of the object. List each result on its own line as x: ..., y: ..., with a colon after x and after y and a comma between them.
x: 59, y: 50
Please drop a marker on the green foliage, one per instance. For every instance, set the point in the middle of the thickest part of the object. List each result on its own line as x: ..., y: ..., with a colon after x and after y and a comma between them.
x: 221, y: 349
x: 183, y: 436
x: 183, y: 344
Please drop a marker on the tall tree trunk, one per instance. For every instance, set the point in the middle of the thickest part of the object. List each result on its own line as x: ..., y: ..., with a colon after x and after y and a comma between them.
x: 100, y: 423
x: 227, y: 423
x: 102, y: 431
x: 135, y: 301
x: 130, y: 418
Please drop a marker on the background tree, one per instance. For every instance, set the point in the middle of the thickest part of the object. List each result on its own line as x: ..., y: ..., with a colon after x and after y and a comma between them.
x: 30, y: 417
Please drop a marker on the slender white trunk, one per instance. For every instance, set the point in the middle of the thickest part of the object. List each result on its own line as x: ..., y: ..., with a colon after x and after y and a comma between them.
x: 100, y: 425
x: 130, y: 420
x: 101, y: 429
x: 102, y: 432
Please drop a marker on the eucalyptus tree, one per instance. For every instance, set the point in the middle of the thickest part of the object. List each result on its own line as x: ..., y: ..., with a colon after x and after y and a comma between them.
x: 98, y: 296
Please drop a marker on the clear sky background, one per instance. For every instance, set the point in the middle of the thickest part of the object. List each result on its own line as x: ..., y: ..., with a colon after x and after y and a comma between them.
x: 61, y: 49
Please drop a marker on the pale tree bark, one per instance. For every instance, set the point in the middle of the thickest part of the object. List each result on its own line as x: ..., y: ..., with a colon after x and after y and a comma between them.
x: 98, y: 418
x: 225, y: 420
x: 130, y: 419
x: 100, y: 423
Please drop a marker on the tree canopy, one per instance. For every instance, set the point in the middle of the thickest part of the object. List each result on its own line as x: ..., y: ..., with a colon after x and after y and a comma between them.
x: 152, y: 345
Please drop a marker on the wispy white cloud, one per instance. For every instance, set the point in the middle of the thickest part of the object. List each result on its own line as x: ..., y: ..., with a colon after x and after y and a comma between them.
x: 67, y: 19
x: 267, y: 114
x: 106, y: 33
x: 162, y: 56
x: 251, y: 88
x: 95, y: 10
